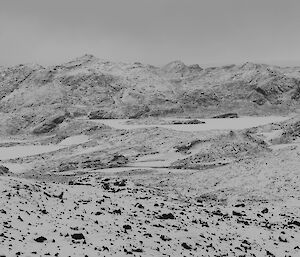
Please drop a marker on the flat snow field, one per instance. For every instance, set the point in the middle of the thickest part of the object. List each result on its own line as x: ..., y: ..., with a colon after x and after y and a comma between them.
x: 210, y: 124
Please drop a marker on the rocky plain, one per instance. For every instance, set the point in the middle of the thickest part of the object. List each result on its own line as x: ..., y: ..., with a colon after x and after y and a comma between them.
x: 113, y: 159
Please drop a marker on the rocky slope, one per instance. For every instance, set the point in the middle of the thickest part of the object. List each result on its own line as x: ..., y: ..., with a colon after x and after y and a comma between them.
x: 113, y: 90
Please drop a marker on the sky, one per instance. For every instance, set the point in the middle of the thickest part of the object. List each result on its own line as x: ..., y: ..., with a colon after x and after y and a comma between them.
x: 207, y: 32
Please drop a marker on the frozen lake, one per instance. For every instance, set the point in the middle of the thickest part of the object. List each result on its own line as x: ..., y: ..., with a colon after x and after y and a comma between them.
x: 13, y: 152
x: 25, y: 150
x: 210, y: 124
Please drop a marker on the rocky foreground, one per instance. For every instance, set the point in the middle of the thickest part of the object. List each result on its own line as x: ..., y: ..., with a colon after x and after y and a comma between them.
x: 248, y: 207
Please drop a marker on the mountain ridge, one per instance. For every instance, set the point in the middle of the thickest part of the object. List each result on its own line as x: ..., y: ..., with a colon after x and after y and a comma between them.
x: 131, y: 90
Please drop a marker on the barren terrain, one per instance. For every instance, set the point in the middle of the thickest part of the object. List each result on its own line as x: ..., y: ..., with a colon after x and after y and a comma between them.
x: 112, y: 159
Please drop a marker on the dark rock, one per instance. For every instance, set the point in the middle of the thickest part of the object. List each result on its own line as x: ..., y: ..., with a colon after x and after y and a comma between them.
x: 235, y: 213
x: 226, y: 115
x: 240, y: 205
x: 40, y: 239
x: 106, y: 186
x: 127, y: 227
x: 4, y: 170
x: 60, y: 196
x: 282, y: 239
x: 166, y: 216
x: 295, y: 222
x: 203, y: 223
x: 117, y: 211
x: 265, y: 210
x: 139, y: 206
x: 105, y: 248
x: 44, y: 212
x: 78, y: 236
x: 138, y: 250
x: 270, y: 254
x: 186, y: 147
x: 121, y: 183
x: 218, y: 212
x: 187, y: 122
x: 186, y: 246
x: 165, y: 238
x: 245, y: 222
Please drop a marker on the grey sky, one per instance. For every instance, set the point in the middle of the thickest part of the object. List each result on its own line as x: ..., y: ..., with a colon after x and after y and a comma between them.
x: 208, y: 32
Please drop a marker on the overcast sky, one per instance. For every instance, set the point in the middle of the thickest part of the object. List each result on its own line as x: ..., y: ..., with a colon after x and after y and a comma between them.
x: 207, y: 32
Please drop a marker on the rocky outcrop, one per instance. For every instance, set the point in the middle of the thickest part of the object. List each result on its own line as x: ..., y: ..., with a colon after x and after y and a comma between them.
x: 118, y: 160
x: 4, y: 170
x: 94, y: 163
x: 49, y: 124
x: 99, y: 115
x: 226, y: 115
x: 187, y: 122
x: 13, y: 78
x: 221, y: 151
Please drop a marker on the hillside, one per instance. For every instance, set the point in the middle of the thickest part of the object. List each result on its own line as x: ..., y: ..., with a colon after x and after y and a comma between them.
x: 121, y: 90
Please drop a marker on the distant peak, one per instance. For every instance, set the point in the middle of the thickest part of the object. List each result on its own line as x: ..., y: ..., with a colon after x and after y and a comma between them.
x: 87, y: 57
x: 195, y: 67
x: 32, y: 66
x: 181, y: 67
x: 84, y: 59
x: 251, y: 65
x: 174, y: 66
x: 175, y: 63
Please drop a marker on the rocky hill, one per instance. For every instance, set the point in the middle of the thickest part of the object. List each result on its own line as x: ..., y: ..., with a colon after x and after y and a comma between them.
x: 116, y: 90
